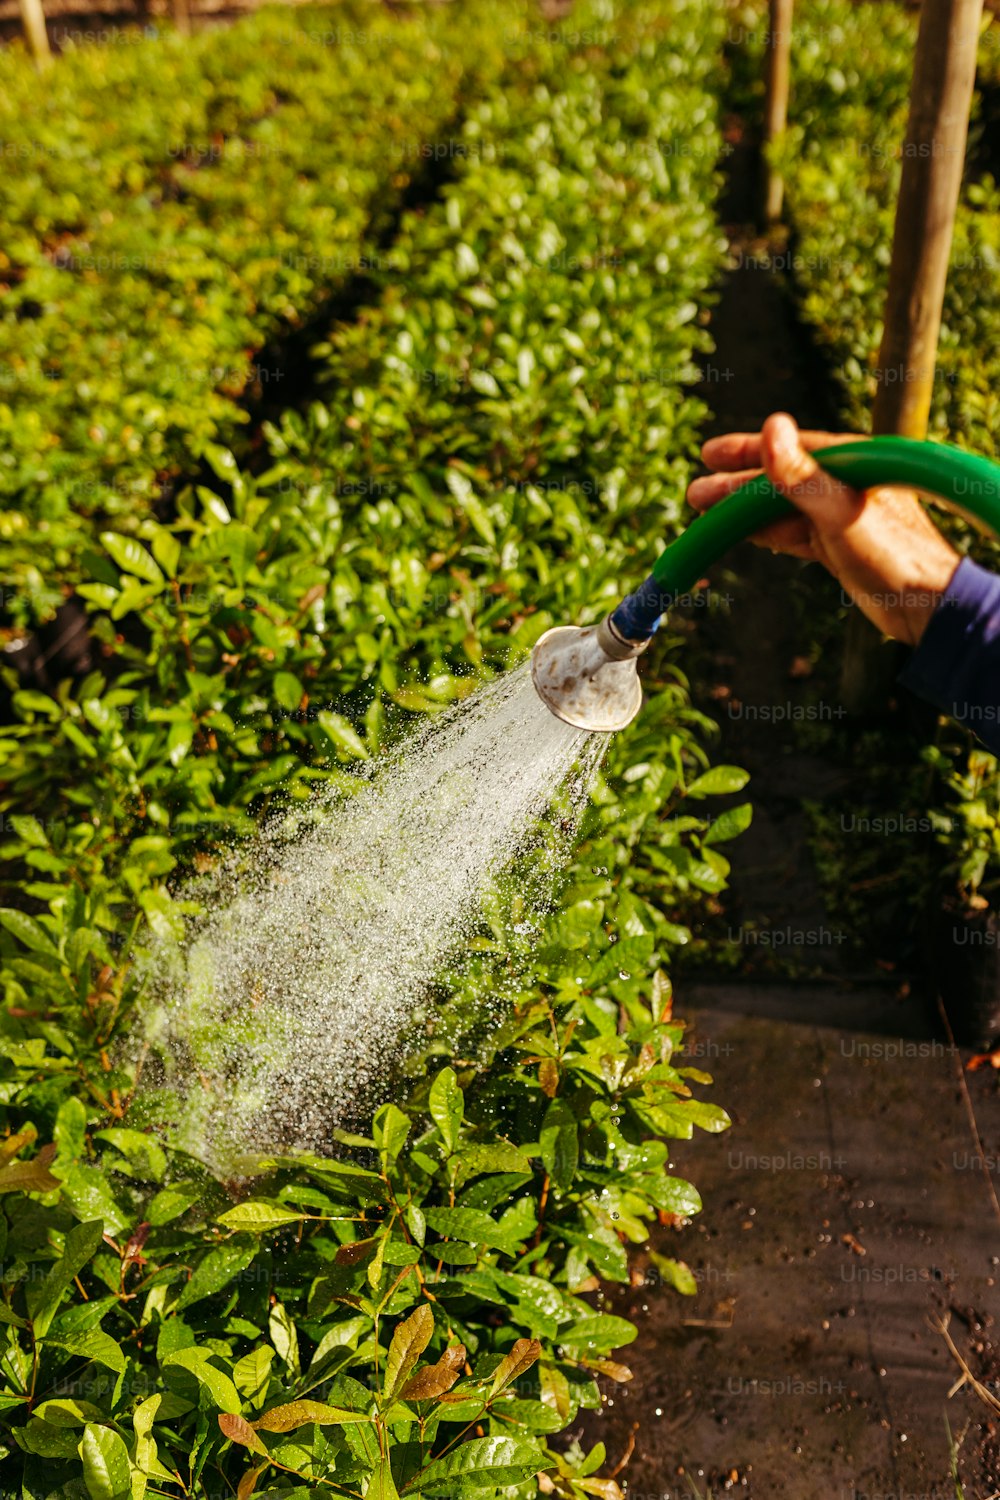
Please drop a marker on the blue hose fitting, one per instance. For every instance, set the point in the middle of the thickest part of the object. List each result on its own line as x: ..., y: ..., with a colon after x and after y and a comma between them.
x: 638, y: 615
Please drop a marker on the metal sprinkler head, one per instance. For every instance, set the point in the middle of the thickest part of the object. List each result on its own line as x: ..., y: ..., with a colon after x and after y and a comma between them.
x: 587, y: 676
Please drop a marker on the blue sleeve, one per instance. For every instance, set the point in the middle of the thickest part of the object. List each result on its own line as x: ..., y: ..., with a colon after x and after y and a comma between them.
x: 956, y: 666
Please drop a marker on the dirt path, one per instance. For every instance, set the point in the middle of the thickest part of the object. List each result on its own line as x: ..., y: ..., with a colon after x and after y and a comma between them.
x: 847, y: 1205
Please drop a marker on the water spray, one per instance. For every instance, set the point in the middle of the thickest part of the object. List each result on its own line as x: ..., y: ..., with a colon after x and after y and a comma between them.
x: 588, y: 676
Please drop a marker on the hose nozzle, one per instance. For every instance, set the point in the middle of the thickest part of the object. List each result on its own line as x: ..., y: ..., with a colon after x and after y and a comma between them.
x: 587, y: 675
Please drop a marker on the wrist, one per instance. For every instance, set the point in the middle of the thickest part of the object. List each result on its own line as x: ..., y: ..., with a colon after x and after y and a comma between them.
x: 934, y: 577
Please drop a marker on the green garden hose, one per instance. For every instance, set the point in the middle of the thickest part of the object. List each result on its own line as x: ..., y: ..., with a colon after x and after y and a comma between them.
x: 968, y: 482
x: 587, y: 675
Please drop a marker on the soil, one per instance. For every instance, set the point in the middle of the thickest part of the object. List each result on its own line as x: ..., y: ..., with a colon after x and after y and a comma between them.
x: 848, y: 1212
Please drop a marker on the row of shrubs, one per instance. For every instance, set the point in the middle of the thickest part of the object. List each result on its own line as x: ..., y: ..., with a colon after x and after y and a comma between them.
x: 504, y: 443
x: 171, y: 205
x: 851, y: 72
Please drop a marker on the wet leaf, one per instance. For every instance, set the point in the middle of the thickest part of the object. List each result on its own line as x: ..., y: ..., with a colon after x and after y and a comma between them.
x: 409, y: 1341
x: 258, y: 1216
x: 297, y: 1413
x: 447, y: 1106
x: 239, y: 1430
x: 434, y: 1380
x: 522, y: 1356
x: 106, y: 1470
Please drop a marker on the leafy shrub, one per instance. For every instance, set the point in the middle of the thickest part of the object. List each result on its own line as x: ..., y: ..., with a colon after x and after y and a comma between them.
x: 151, y: 257
x: 337, y: 1266
x: 969, y: 826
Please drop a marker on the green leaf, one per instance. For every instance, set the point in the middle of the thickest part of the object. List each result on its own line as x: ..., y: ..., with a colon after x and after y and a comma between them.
x: 677, y: 1117
x: 598, y: 1334
x: 146, y: 1158
x: 728, y: 825
x: 66, y: 1412
x: 675, y: 1273
x: 472, y: 1226
x: 215, y: 1271
x: 343, y: 734
x: 106, y: 1469
x: 258, y: 1215
x: 376, y: 1265
x: 473, y: 1160
x: 447, y: 1107
x: 44, y: 1296
x: 488, y: 1463
x: 180, y: 740
x: 674, y: 1195
x: 284, y: 1336
x: 78, y: 739
x: 197, y: 1362
x: 409, y: 1341
x: 252, y: 1373
x: 31, y: 933
x: 145, y: 1415
x: 131, y: 557
x: 104, y: 595
x: 390, y: 1128
x: 96, y: 1345
x: 88, y: 1192
x: 297, y: 1413
x: 29, y: 831
x: 471, y: 505
x: 288, y: 690
x: 415, y: 1222
x: 718, y: 781
x: 559, y: 1141
x: 382, y: 1486
x: 166, y: 550
x: 70, y: 1133
x: 170, y: 1202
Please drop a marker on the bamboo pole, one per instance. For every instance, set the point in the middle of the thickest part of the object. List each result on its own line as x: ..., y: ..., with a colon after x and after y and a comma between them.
x: 33, y: 20
x: 944, y: 73
x: 777, y: 70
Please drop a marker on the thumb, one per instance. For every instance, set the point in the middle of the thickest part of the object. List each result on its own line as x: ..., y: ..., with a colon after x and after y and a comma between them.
x: 792, y: 469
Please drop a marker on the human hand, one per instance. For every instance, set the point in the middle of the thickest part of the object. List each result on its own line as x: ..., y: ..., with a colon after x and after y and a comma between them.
x: 880, y: 544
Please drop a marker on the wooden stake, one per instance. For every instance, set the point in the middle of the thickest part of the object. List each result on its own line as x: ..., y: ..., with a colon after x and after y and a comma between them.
x: 944, y: 73
x: 33, y: 20
x: 777, y: 64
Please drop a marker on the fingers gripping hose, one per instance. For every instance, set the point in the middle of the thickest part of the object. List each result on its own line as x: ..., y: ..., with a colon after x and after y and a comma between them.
x: 969, y: 483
